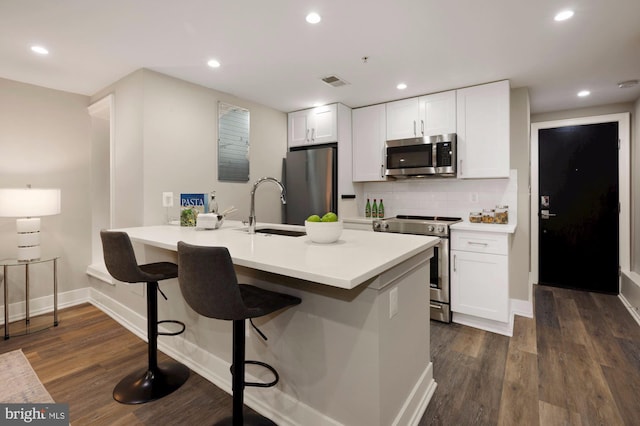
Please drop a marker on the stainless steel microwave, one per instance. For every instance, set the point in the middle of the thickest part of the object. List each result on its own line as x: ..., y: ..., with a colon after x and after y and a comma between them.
x: 429, y: 156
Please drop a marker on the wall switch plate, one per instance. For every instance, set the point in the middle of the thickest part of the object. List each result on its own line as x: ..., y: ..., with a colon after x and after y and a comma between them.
x: 393, y: 302
x: 474, y: 197
x: 167, y: 199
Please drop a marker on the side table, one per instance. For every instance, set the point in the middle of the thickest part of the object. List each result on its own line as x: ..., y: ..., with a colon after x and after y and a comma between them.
x: 6, y: 264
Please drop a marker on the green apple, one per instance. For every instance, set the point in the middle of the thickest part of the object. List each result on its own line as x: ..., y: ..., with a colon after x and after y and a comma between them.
x: 329, y: 217
x: 314, y: 218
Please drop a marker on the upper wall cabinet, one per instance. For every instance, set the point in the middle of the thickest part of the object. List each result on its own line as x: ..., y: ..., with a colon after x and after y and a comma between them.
x: 438, y: 112
x: 313, y: 126
x: 403, y: 119
x: 483, y: 131
x: 424, y: 116
x: 369, y: 135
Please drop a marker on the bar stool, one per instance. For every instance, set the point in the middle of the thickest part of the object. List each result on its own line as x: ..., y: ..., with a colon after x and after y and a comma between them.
x: 209, y: 284
x: 156, y: 380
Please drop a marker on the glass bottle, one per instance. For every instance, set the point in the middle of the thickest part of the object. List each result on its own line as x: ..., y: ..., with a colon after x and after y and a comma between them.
x: 213, y: 204
x: 381, y: 209
x: 367, y: 209
x: 374, y: 209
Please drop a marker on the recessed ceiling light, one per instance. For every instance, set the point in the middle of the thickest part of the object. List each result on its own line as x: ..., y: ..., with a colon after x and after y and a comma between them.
x: 564, y: 15
x: 313, y: 18
x: 40, y: 50
x: 213, y: 63
x: 584, y: 93
x: 401, y: 86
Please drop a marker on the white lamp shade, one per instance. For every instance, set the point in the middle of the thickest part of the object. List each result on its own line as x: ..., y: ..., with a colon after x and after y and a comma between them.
x: 29, y: 202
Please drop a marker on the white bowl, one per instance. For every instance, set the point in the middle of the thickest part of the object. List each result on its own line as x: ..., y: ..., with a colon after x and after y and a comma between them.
x: 323, y: 232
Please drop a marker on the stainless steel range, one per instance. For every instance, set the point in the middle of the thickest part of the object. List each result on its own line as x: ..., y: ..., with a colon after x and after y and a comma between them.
x: 433, y: 226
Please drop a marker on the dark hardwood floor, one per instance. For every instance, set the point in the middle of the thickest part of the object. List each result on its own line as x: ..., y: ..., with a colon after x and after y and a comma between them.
x: 576, y: 363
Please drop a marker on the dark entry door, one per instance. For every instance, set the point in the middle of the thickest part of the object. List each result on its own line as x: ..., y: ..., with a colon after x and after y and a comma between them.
x: 578, y: 207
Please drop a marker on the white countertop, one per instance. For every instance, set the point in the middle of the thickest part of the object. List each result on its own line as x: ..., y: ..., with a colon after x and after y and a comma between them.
x: 356, y: 257
x: 358, y: 219
x: 507, y: 228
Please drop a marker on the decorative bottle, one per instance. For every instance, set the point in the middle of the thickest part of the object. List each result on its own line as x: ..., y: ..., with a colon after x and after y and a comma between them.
x: 367, y: 209
x: 381, y: 209
x: 374, y: 209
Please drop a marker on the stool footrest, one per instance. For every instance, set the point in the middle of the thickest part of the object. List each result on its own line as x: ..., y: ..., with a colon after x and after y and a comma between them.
x: 166, y: 333
x: 260, y: 384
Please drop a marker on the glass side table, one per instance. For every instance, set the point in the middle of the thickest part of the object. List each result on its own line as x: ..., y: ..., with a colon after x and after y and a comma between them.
x: 29, y: 325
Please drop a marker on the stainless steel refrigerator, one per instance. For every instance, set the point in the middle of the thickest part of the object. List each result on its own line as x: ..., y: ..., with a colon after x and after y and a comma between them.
x: 311, y: 180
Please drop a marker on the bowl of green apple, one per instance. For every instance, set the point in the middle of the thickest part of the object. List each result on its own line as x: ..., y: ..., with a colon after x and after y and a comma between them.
x: 324, y: 229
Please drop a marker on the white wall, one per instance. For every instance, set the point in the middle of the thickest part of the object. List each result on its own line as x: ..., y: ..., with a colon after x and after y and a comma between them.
x: 181, y: 149
x: 44, y: 135
x: 166, y: 140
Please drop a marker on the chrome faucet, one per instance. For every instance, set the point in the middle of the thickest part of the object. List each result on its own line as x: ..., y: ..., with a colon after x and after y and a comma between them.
x: 252, y: 213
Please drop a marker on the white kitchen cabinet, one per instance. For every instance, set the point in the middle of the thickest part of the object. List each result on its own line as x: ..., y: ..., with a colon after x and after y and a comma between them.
x: 313, y: 126
x: 483, y: 130
x: 480, y: 274
x: 438, y: 113
x: 403, y: 119
x: 424, y: 116
x: 369, y: 135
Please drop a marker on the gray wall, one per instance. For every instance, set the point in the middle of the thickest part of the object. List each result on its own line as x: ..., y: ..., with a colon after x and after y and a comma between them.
x: 44, y: 135
x: 519, y: 260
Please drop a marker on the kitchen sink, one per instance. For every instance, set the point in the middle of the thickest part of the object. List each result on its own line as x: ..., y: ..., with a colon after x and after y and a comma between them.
x: 287, y: 232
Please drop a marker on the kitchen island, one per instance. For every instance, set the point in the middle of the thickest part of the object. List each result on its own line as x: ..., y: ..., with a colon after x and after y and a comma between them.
x: 354, y: 352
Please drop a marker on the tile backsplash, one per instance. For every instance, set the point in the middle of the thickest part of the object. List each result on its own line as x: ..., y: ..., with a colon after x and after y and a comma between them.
x: 443, y: 197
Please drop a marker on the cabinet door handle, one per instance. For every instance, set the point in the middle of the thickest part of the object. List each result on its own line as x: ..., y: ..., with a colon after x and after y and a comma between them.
x: 432, y: 306
x: 381, y: 170
x: 422, y: 127
x: 414, y: 128
x: 306, y: 136
x: 454, y: 263
x: 473, y: 243
x: 460, y: 167
x: 313, y: 135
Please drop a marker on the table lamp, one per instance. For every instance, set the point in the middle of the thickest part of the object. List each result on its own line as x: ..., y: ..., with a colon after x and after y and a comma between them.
x: 28, y: 204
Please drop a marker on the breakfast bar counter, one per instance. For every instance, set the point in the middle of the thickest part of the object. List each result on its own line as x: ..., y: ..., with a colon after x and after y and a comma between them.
x: 354, y: 352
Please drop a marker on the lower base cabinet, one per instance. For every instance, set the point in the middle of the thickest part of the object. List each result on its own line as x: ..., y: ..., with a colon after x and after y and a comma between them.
x: 480, y: 275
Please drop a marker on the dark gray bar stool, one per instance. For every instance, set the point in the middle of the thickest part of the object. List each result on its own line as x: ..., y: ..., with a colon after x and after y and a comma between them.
x: 157, y: 380
x: 209, y: 285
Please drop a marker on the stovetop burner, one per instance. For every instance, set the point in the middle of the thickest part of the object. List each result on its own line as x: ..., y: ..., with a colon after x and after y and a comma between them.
x: 437, y: 226
x: 435, y: 218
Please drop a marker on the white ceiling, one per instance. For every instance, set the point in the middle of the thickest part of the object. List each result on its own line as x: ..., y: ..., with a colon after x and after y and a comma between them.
x: 270, y: 55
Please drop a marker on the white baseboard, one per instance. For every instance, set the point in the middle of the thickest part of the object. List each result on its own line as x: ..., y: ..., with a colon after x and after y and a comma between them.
x: 414, y: 407
x: 517, y: 307
x: 44, y: 304
x: 524, y: 308
x: 504, y: 328
x: 632, y: 309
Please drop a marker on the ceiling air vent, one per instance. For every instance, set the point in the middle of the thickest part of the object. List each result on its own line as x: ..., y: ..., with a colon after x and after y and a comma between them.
x: 334, y: 81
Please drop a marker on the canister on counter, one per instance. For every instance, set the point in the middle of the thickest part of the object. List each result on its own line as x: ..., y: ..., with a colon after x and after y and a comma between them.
x: 501, y: 215
x: 488, y: 215
x: 475, y: 217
